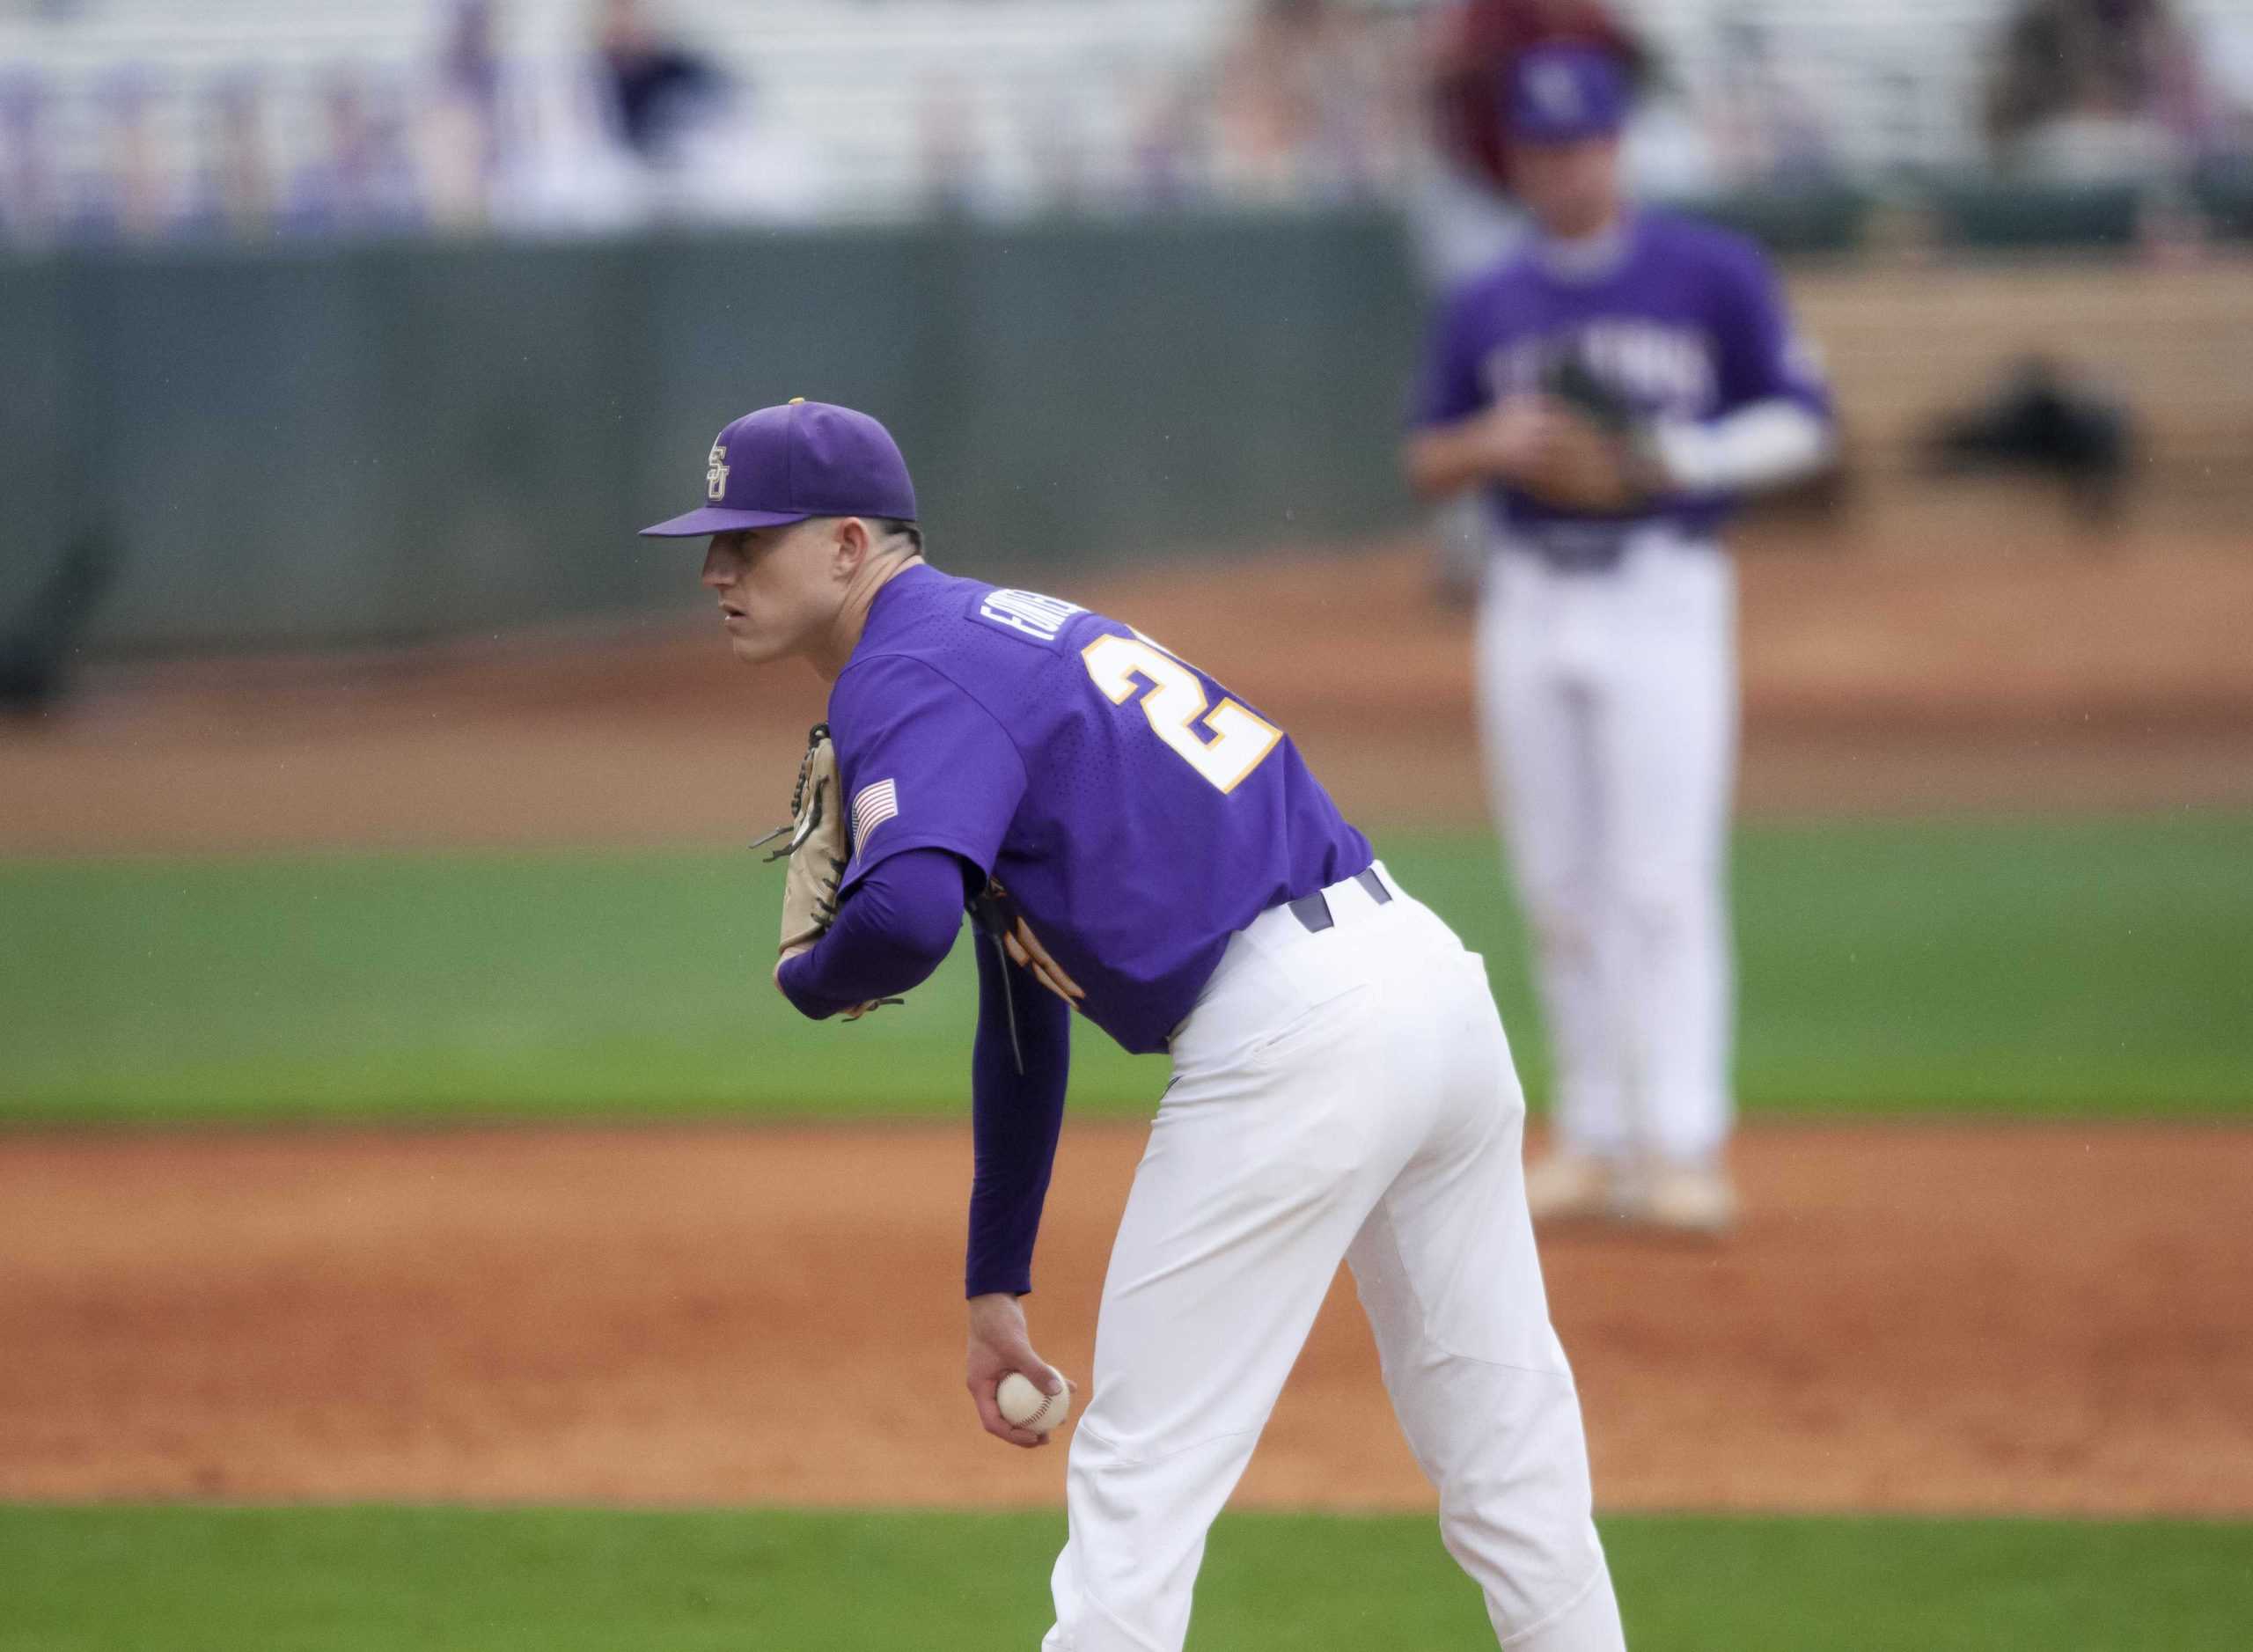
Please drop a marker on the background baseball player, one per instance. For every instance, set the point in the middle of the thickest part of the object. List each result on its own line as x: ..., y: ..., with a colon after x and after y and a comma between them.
x: 1611, y: 386
x: 1139, y: 846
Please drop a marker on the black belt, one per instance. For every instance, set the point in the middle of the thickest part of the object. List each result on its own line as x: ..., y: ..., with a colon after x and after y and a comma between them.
x: 1313, y: 911
x: 1576, y: 547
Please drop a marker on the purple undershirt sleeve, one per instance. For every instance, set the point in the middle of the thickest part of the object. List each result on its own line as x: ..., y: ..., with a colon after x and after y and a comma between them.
x: 895, y: 928
x: 1449, y: 388
x: 1017, y: 1109
x: 1760, y: 356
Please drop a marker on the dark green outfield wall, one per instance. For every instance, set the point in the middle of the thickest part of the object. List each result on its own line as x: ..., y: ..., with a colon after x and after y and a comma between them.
x: 303, y: 446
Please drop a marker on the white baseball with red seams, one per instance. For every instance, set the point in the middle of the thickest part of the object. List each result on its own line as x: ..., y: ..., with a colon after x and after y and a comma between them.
x: 1022, y: 1405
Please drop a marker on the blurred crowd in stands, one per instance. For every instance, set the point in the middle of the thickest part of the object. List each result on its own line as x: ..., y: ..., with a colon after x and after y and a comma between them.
x: 640, y: 128
x: 1286, y: 101
x: 2095, y: 91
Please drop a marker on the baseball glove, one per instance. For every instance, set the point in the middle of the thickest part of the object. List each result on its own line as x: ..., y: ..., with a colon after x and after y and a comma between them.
x: 815, y: 845
x: 1598, y: 459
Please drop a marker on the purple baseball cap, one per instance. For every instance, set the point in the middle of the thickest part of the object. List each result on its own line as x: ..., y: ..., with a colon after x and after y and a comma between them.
x: 803, y: 458
x: 1565, y: 94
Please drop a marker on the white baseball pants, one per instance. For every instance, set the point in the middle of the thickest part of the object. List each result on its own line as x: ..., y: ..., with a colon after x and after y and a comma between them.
x: 1610, y: 709
x: 1346, y: 1093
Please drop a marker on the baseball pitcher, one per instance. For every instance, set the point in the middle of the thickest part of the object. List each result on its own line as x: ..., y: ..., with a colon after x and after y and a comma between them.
x: 1611, y: 388
x: 1137, y: 847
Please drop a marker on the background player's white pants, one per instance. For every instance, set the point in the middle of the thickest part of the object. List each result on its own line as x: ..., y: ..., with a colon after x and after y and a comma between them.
x: 1610, y: 706
x: 1345, y: 1094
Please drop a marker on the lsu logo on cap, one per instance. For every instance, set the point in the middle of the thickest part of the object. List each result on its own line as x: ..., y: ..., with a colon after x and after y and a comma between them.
x: 1556, y: 90
x: 716, y: 480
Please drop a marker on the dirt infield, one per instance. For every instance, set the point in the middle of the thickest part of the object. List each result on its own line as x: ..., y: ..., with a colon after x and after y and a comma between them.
x: 1993, y: 665
x: 1964, y: 1319
x: 1932, y: 1319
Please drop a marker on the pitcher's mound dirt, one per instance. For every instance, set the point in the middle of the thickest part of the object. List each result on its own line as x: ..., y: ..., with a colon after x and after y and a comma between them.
x: 1965, y: 1318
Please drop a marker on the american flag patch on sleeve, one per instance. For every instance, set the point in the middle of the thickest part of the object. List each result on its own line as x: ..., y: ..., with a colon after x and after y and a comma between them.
x: 876, y: 804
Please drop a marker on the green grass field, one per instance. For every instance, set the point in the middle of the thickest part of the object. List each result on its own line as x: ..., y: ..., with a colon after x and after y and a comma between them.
x: 342, y: 1580
x: 2087, y: 967
x: 2084, y: 968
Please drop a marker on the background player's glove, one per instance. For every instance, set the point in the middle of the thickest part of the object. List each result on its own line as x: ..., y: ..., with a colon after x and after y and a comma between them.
x: 1591, y: 453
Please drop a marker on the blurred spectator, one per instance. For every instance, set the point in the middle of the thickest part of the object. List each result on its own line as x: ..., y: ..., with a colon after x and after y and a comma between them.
x: 460, y: 131
x: 1301, y: 106
x: 234, y: 193
x: 1051, y: 118
x: 965, y: 172
x: 564, y: 170
x: 2094, y: 91
x: 1376, y: 123
x: 1268, y: 103
x: 1162, y: 161
x: 656, y: 84
x: 946, y: 144
x: 363, y: 181
x: 2226, y: 50
x: 709, y: 153
x: 30, y: 193
x: 126, y: 196
x: 725, y: 163
x: 1768, y: 133
x: 469, y: 62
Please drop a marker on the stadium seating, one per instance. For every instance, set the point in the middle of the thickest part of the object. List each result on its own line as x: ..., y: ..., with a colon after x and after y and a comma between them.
x: 859, y: 80
x: 1031, y: 91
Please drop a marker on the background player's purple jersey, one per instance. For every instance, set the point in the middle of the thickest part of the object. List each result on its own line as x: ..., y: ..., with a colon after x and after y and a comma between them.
x: 1688, y: 323
x: 1137, y: 814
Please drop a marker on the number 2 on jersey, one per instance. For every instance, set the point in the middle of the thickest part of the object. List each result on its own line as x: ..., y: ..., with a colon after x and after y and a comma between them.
x: 1175, y: 702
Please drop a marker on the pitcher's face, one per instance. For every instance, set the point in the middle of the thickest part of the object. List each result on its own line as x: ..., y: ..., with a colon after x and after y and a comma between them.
x: 779, y: 589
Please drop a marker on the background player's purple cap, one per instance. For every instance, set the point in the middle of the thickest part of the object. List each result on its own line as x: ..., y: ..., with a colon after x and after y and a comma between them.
x: 803, y: 458
x: 1562, y: 94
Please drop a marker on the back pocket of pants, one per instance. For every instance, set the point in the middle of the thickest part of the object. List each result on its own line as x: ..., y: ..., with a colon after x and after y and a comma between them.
x: 1314, y: 1030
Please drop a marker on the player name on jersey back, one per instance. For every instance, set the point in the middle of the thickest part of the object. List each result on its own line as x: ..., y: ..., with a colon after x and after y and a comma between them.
x: 1028, y: 613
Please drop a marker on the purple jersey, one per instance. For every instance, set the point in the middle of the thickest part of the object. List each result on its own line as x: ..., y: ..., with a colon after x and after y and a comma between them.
x: 1137, y: 813
x: 1686, y: 322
